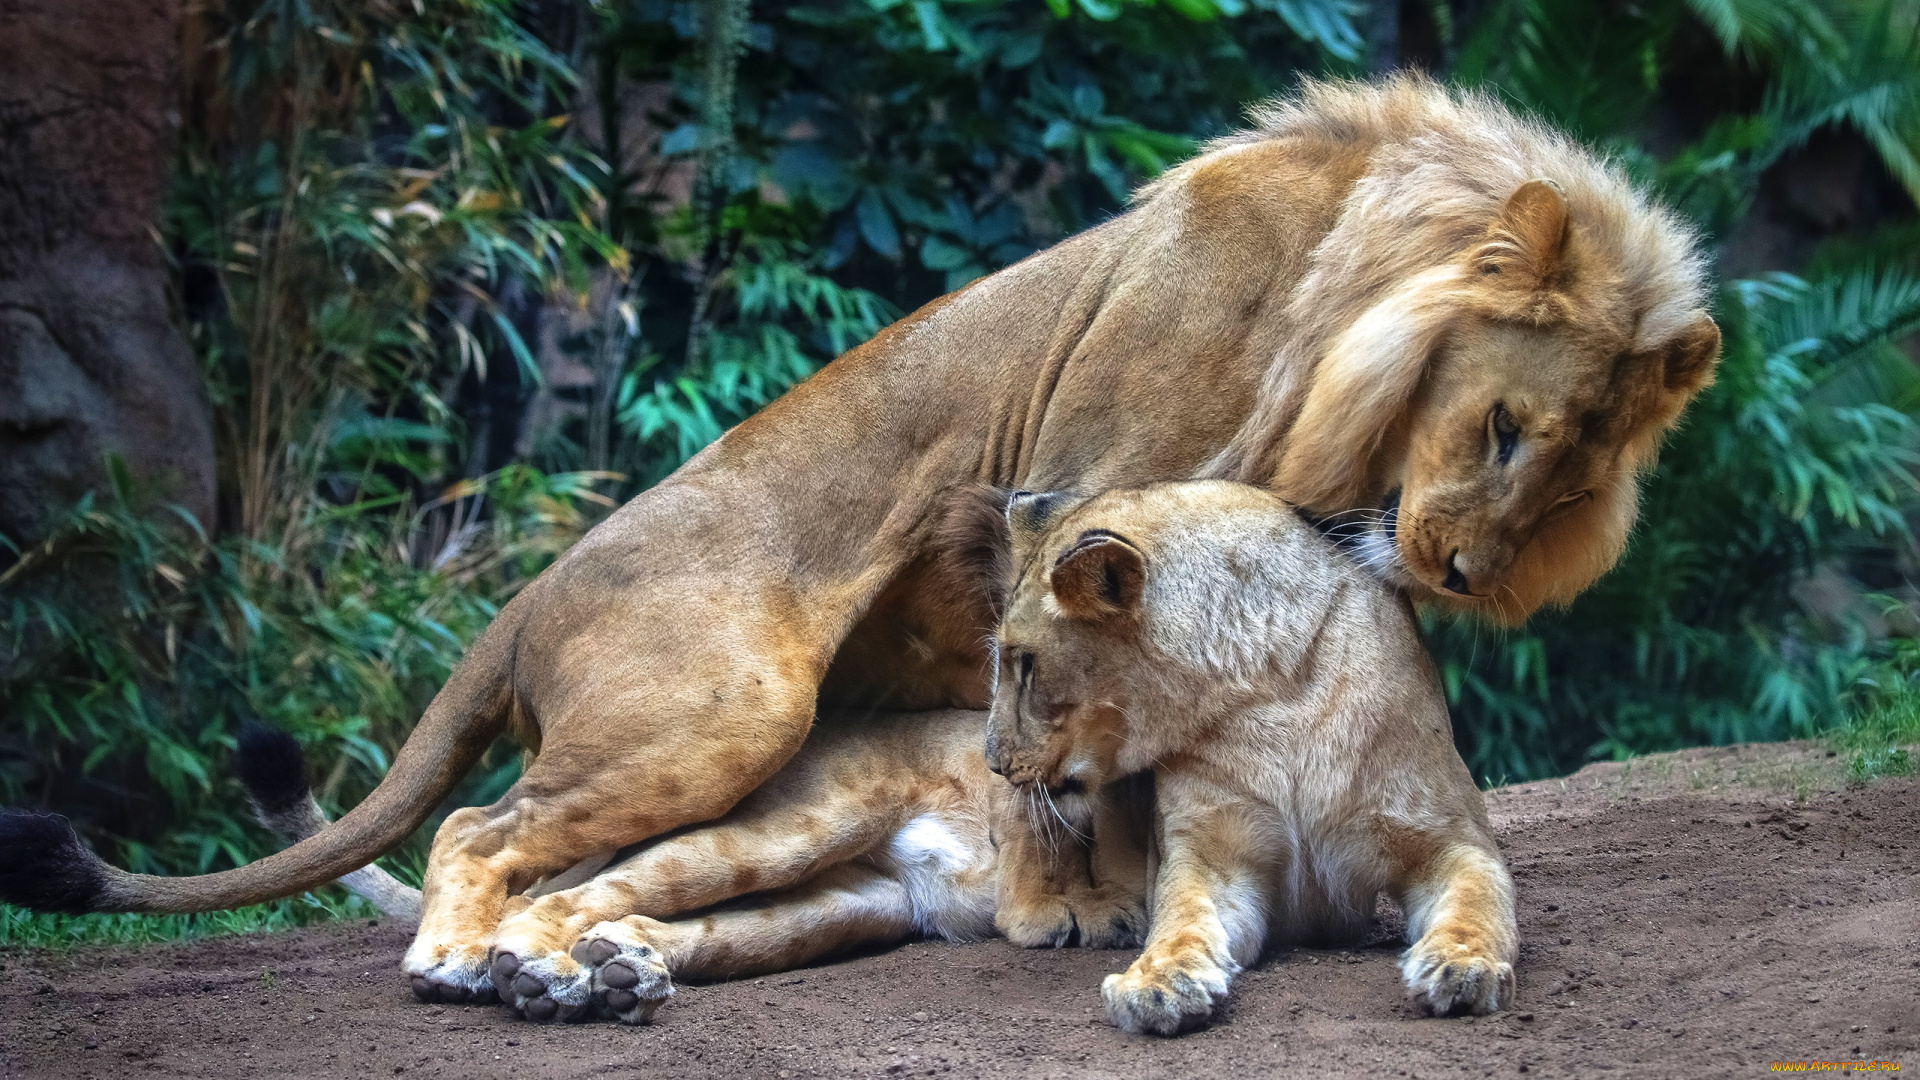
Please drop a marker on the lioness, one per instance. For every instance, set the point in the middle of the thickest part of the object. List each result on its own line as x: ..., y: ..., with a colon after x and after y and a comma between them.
x: 880, y: 829
x: 1387, y: 299
x: 1298, y: 740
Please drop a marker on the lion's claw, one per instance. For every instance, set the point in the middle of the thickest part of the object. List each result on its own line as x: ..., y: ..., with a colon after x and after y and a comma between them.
x: 544, y: 988
x: 1449, y: 978
x: 450, y: 976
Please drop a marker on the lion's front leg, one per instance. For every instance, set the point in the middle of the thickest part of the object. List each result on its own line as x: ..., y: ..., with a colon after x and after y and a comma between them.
x: 1460, y: 918
x: 1062, y: 885
x: 1210, y: 913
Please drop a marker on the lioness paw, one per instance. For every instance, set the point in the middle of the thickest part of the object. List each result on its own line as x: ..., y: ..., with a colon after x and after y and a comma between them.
x: 1449, y: 977
x: 1096, y: 919
x: 629, y: 974
x: 1156, y: 999
x: 543, y: 988
x: 450, y: 974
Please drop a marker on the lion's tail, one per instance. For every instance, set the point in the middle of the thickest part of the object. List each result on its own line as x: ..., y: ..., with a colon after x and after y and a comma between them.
x: 45, y: 866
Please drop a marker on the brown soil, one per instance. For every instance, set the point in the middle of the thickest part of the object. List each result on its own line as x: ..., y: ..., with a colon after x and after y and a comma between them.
x: 1704, y: 913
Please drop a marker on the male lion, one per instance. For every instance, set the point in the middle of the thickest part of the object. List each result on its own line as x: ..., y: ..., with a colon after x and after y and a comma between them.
x: 1386, y: 298
x: 1298, y: 740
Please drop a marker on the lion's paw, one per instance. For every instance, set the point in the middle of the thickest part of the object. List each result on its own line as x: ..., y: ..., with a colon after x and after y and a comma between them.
x: 1449, y: 977
x: 449, y: 974
x: 1160, y: 999
x: 629, y: 974
x: 1096, y: 919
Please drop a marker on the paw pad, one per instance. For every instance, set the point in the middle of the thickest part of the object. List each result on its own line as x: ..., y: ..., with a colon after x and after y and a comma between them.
x: 539, y: 988
x: 629, y: 976
x: 453, y: 981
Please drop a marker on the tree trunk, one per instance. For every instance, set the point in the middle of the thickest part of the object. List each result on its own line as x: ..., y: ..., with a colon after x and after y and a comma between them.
x: 91, y: 360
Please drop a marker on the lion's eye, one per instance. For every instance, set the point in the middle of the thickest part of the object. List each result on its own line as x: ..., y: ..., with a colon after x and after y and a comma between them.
x: 1506, y: 432
x: 1026, y: 666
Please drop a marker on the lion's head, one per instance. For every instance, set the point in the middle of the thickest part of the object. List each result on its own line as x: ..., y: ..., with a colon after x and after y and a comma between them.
x: 1497, y: 333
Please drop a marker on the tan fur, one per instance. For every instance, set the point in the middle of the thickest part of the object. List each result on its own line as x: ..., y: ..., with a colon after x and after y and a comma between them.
x: 1298, y: 742
x: 877, y: 830
x: 1317, y: 273
x: 1489, y: 254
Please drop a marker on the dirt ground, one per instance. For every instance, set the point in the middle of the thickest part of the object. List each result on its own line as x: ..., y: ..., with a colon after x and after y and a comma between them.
x: 1699, y: 914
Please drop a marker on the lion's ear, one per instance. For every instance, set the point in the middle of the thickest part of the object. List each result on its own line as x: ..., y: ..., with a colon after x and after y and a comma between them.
x: 1691, y: 356
x: 1524, y: 247
x: 1100, y: 576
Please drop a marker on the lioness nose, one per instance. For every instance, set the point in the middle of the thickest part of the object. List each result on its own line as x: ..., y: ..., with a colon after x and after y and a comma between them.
x: 998, y: 762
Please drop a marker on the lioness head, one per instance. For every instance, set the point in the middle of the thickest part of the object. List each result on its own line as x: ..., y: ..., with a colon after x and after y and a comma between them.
x: 1124, y: 626
x: 1066, y: 642
x: 1494, y: 337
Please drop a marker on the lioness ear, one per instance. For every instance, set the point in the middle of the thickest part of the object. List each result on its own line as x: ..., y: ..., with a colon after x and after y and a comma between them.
x: 1691, y: 357
x: 1100, y: 576
x: 1031, y: 513
x: 1523, y: 248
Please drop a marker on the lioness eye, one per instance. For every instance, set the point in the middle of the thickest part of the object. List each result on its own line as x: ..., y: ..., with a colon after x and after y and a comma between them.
x: 1506, y: 431
x: 1026, y: 666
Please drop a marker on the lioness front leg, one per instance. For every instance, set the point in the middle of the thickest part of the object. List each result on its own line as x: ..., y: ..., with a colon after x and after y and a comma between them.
x: 1085, y: 885
x: 1210, y: 912
x: 1460, y: 919
x: 633, y: 960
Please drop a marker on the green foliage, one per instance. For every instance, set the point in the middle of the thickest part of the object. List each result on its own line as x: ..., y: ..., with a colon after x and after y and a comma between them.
x: 1880, y: 734
x: 360, y: 189
x: 789, y: 317
x: 135, y: 650
x: 1003, y: 126
x: 355, y: 204
x: 20, y: 928
x: 373, y: 199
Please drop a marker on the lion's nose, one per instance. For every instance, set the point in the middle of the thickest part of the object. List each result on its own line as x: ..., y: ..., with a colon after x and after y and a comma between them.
x: 1456, y: 581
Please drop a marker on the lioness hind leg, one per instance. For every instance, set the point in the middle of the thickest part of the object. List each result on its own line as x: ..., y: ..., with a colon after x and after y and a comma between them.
x: 572, y: 802
x: 634, y: 959
x: 781, y: 835
x: 1460, y: 919
x: 628, y: 974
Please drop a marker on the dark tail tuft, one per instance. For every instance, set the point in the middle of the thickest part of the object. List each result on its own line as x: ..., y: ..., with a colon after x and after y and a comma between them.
x: 272, y: 767
x: 45, y: 867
